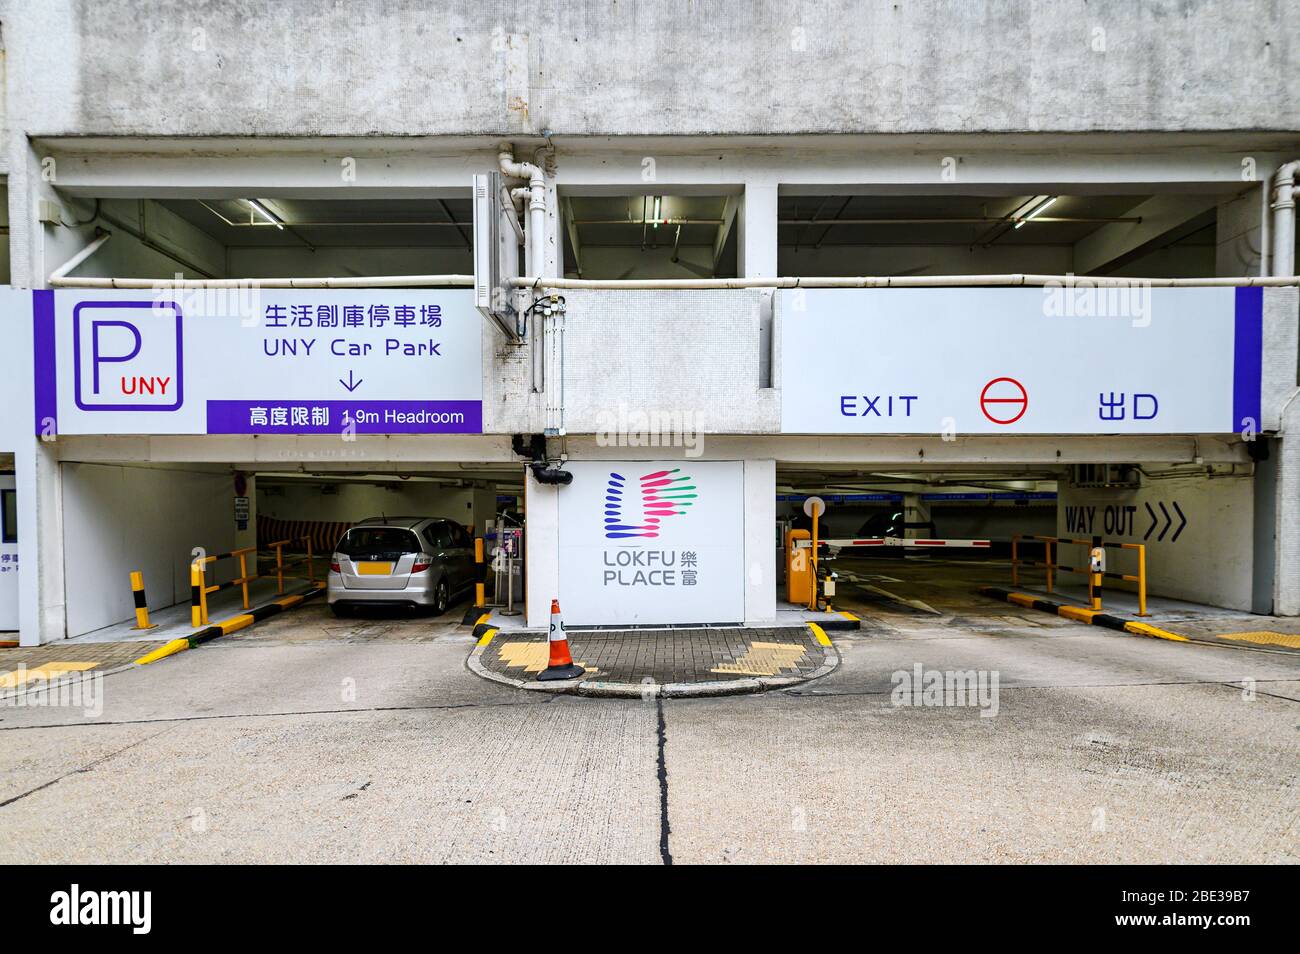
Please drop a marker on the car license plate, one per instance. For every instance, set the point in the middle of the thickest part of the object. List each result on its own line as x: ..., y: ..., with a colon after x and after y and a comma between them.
x: 374, y: 569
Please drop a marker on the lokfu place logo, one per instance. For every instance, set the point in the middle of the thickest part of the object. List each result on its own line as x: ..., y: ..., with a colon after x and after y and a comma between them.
x: 663, y: 494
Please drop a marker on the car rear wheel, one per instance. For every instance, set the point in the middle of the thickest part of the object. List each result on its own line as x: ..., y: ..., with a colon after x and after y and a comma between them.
x: 441, y: 597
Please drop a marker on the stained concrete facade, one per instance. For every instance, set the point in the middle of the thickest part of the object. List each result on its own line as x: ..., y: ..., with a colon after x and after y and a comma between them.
x: 1194, y: 104
x: 677, y: 68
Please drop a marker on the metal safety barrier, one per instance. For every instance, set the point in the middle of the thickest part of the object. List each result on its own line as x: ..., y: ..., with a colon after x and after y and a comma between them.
x: 200, y: 589
x: 280, y: 564
x: 1050, y: 566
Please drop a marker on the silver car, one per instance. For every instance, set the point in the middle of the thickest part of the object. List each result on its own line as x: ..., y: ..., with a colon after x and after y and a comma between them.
x: 413, y: 561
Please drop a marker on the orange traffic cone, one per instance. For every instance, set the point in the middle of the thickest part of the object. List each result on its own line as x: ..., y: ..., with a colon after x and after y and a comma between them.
x: 561, y: 663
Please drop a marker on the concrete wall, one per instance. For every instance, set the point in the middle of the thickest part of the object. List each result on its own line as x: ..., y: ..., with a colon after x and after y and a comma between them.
x: 1212, y: 559
x: 666, y: 353
x: 356, y: 501
x: 119, y: 519
x: 542, y: 544
x: 266, y: 67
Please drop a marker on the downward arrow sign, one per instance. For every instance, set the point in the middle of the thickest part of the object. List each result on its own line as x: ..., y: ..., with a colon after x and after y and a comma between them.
x: 350, y: 384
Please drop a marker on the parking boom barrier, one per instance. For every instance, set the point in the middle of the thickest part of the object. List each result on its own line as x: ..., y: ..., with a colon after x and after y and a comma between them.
x: 918, y: 542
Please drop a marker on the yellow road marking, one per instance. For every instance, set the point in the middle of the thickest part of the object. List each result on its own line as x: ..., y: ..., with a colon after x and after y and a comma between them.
x: 163, y: 651
x: 1265, y: 637
x: 1146, y: 629
x: 531, y: 657
x: 235, y: 623
x: 1021, y: 599
x: 486, y: 637
x: 1078, y: 613
x: 19, y: 677
x: 848, y: 616
x: 764, y: 659
x: 819, y: 634
x: 483, y: 619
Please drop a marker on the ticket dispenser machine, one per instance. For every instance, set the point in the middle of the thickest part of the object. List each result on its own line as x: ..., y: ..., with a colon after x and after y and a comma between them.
x: 798, y: 569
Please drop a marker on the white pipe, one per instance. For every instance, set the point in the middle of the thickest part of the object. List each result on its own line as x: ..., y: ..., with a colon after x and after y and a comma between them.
x: 912, y: 281
x: 59, y: 274
x: 375, y: 281
x: 1284, y: 195
x: 425, y: 281
x: 536, y: 248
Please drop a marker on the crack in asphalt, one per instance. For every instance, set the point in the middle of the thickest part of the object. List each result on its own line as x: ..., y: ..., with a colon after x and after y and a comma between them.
x: 270, y: 715
x: 819, y: 693
x: 665, y: 855
x: 82, y: 769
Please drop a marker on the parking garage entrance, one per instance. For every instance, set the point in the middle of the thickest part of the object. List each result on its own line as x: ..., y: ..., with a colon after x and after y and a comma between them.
x: 1133, y: 539
x: 373, y: 541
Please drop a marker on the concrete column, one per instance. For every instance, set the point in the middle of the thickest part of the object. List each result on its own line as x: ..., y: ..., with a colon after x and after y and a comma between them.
x: 760, y: 541
x: 542, y: 550
x: 1286, y: 540
x: 757, y: 222
x: 41, y: 617
x: 915, y: 511
x: 1239, y: 234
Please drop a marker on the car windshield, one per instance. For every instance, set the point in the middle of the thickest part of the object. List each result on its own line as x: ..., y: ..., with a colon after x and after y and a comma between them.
x: 378, y: 543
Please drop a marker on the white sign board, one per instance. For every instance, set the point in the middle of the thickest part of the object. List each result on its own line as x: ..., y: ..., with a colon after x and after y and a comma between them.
x: 255, y: 361
x: 8, y: 553
x: 1054, y: 360
x: 652, y: 542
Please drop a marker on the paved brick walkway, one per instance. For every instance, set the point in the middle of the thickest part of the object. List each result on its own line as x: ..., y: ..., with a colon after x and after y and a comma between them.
x: 666, y: 656
x: 21, y: 665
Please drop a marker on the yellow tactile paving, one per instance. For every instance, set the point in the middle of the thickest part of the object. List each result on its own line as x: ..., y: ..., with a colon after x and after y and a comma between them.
x: 1265, y: 637
x: 530, y: 657
x: 20, y: 677
x: 764, y: 659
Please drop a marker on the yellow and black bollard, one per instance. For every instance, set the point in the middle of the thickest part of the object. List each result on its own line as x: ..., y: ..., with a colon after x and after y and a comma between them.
x: 141, y: 607
x: 480, y: 571
x: 477, y: 611
x: 197, y: 595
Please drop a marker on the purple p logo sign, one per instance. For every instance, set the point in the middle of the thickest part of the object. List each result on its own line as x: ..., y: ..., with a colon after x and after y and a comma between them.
x: 127, y: 356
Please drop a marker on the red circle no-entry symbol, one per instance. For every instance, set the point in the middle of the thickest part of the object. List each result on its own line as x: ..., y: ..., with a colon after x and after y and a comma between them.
x: 1004, y: 400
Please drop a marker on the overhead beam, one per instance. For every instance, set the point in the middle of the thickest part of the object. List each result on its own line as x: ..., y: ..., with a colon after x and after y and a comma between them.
x: 1160, y: 215
x: 729, y: 209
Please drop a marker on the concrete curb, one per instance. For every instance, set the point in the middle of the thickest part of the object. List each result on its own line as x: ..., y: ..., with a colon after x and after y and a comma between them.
x: 598, y: 688
x: 232, y: 625
x: 1081, y: 614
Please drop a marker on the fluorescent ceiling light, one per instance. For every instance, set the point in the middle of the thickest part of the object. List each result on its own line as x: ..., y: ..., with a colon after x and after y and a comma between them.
x: 257, y: 207
x: 1037, y: 211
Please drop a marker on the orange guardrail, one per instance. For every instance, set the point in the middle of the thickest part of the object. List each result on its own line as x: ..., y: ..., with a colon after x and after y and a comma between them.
x: 1050, y: 566
x: 200, y: 588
